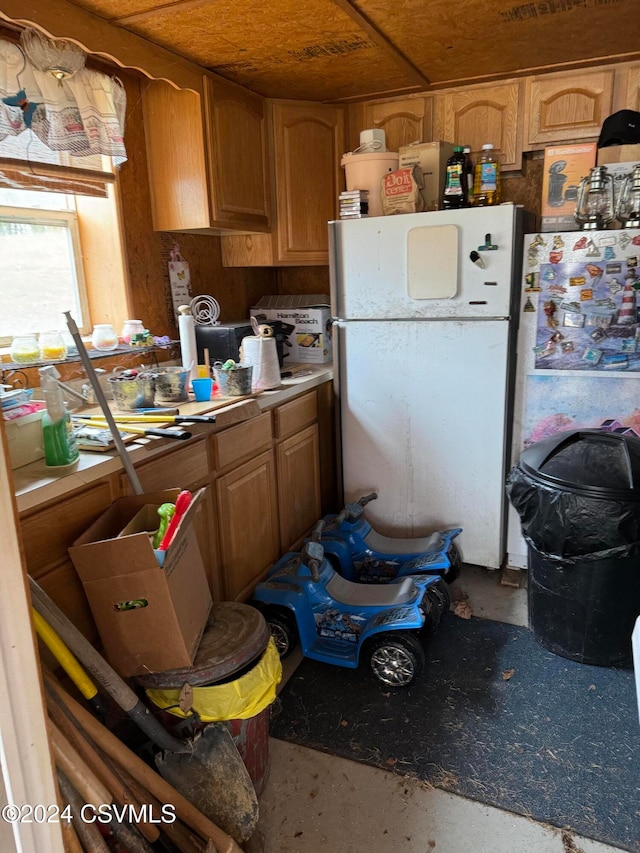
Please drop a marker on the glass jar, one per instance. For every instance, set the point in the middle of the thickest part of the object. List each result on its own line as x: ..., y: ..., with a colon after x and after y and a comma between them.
x: 52, y: 346
x: 131, y: 327
x: 24, y: 349
x: 104, y: 337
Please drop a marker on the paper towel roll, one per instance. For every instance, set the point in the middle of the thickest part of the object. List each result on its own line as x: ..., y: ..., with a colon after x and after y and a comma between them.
x: 262, y: 354
x: 188, y: 348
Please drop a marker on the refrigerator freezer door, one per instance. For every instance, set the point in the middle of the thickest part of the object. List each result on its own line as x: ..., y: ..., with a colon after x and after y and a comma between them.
x: 373, y: 269
x: 423, y: 424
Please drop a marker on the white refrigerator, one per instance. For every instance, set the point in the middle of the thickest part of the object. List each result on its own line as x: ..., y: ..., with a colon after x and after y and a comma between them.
x: 425, y: 310
x: 578, y: 342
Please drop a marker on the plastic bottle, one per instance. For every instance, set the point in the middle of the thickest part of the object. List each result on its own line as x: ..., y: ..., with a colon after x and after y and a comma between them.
x: 469, y: 173
x: 455, y: 194
x: 60, y: 446
x: 486, y: 184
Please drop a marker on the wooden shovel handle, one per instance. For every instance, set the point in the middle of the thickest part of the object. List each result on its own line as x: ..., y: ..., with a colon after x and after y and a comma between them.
x: 76, y: 769
x: 151, y: 780
x: 78, y: 740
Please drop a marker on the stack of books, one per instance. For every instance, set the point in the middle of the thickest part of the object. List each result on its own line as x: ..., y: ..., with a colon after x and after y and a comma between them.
x: 354, y: 204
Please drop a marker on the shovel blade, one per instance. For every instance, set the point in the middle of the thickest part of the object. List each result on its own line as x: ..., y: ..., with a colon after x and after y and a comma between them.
x: 213, y: 777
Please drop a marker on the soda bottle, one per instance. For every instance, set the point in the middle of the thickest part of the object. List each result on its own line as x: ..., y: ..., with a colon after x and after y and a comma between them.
x: 469, y: 172
x: 486, y: 184
x: 454, y: 195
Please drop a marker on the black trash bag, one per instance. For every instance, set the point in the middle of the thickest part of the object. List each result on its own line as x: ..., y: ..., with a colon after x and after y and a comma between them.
x: 571, y: 527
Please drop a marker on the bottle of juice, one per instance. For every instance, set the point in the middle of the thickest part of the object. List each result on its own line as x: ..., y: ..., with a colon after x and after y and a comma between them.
x: 486, y: 184
x: 454, y: 195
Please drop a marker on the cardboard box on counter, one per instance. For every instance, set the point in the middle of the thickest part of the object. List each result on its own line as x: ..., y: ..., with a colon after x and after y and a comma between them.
x: 306, y: 323
x: 150, y: 618
x: 564, y: 167
x: 432, y: 158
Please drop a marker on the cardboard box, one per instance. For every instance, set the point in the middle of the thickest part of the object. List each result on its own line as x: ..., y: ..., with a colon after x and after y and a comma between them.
x: 432, y: 158
x: 306, y: 323
x: 619, y: 154
x: 150, y: 617
x: 24, y: 438
x: 564, y: 167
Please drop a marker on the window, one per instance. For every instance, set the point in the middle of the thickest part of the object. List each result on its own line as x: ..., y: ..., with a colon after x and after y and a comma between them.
x: 42, y: 273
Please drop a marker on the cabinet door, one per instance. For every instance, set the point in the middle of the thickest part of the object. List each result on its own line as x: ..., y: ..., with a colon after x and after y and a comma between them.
x: 174, y: 137
x: 566, y: 107
x: 404, y: 120
x: 308, y: 143
x: 237, y: 151
x: 298, y: 469
x: 248, y: 522
x: 475, y: 115
x: 630, y: 94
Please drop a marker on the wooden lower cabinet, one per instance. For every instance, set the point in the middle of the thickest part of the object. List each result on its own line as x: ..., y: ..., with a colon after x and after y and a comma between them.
x: 248, y: 524
x: 298, y: 464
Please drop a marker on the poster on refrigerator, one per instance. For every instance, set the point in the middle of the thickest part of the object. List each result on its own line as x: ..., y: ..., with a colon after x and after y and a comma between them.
x: 587, y: 301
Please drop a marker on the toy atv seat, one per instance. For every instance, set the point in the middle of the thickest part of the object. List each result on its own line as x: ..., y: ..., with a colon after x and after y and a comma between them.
x: 360, y: 553
x: 371, y: 595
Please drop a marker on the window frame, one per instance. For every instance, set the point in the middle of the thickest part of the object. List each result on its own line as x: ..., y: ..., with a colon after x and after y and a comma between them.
x: 67, y: 219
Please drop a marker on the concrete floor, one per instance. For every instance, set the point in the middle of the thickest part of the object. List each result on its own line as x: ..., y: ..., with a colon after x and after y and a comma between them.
x: 315, y: 802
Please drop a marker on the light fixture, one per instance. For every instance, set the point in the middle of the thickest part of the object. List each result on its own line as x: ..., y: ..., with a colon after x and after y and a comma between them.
x: 594, y: 208
x: 628, y: 207
x: 58, y: 57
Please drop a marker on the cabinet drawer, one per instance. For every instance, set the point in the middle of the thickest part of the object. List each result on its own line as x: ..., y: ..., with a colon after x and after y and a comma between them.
x: 49, y: 532
x: 296, y: 415
x: 241, y: 442
x: 179, y: 469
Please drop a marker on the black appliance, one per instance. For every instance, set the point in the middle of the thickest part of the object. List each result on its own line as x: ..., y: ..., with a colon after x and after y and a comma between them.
x: 223, y: 341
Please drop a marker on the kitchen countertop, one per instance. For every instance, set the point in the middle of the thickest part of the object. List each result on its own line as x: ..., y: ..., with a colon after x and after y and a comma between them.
x: 35, y: 484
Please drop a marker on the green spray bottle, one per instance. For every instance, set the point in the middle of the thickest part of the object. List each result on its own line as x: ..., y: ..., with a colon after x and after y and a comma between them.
x: 60, y: 446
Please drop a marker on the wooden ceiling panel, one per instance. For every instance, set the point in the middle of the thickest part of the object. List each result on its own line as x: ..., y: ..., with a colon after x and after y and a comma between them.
x: 278, y: 49
x: 115, y: 9
x: 453, y: 41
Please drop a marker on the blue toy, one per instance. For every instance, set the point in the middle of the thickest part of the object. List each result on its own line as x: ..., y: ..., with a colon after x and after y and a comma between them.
x: 341, y: 622
x: 360, y: 553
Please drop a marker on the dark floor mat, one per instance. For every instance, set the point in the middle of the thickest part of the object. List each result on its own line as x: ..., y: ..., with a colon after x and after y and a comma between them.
x: 495, y: 718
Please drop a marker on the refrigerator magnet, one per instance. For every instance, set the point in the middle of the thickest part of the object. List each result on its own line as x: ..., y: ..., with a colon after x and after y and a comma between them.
x: 555, y: 257
x: 532, y: 282
x: 609, y: 240
x: 632, y: 263
x: 574, y: 321
x: 613, y: 269
x: 586, y: 294
x: 580, y: 244
x: 567, y: 346
x: 573, y: 307
x: 592, y: 250
x: 592, y: 355
x: 636, y: 240
x: 597, y: 335
x: 624, y: 240
x: 629, y: 345
x: 557, y: 290
x: 614, y: 286
x: 529, y: 307
x: 538, y: 240
x: 558, y: 242
x: 556, y: 337
x: 609, y: 253
x: 577, y: 281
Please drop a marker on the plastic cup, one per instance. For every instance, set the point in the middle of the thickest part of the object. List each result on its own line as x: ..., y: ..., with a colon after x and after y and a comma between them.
x: 202, y: 389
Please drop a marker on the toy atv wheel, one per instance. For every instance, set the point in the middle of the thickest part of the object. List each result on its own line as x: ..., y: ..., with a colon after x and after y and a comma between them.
x: 283, y: 631
x: 453, y: 572
x: 396, y: 659
x: 439, y: 601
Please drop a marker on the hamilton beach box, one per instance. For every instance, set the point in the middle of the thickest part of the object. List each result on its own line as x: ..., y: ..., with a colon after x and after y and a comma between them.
x: 150, y: 617
x: 306, y: 324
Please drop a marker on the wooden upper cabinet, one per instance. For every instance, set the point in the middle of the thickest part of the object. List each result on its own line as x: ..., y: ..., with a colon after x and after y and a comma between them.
x: 627, y: 92
x: 566, y: 107
x: 307, y: 141
x: 404, y: 120
x: 475, y: 115
x: 237, y: 148
x: 206, y: 158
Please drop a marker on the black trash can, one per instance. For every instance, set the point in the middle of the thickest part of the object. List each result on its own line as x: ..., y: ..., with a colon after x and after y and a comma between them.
x: 578, y: 497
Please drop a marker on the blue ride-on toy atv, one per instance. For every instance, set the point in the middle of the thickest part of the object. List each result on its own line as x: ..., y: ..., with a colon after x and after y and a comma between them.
x: 341, y: 622
x: 360, y: 553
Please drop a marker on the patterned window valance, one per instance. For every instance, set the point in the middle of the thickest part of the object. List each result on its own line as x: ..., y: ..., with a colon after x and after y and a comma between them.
x: 82, y: 115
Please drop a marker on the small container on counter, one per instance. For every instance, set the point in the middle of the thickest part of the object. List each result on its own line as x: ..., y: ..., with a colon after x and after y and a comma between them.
x: 130, y: 328
x: 24, y: 349
x: 52, y: 346
x: 104, y: 337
